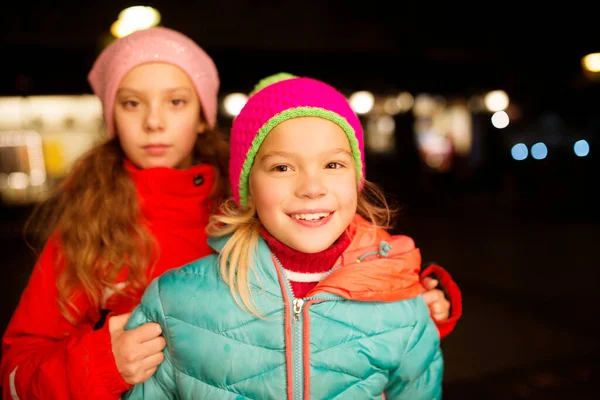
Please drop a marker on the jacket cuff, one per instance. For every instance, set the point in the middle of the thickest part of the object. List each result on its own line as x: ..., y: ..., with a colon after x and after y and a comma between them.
x: 105, y: 366
x: 453, y: 295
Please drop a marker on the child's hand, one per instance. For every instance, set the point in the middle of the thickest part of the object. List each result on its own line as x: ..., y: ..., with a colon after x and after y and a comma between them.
x: 439, y: 306
x: 138, y: 352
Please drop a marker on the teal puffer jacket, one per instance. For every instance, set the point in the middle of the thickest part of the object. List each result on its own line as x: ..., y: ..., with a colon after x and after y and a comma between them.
x: 363, y: 333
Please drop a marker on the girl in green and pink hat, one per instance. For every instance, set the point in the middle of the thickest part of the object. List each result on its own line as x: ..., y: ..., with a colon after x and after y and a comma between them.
x: 308, y: 296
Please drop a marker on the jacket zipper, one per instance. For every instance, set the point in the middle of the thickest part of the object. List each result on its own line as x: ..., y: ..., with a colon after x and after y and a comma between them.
x: 296, y: 314
x: 298, y: 365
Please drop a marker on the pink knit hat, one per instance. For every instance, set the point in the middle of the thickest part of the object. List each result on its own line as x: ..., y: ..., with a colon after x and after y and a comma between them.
x: 156, y: 44
x: 276, y: 99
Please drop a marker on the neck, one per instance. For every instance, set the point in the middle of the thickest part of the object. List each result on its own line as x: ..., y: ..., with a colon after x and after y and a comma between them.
x: 305, y: 270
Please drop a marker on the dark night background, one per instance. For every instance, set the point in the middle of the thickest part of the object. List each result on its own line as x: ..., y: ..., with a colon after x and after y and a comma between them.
x: 519, y: 237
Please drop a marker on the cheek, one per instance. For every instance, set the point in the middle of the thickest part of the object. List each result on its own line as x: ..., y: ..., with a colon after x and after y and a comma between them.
x: 348, y: 198
x: 186, y: 130
x: 264, y: 195
x: 124, y: 125
x: 188, y: 122
x: 346, y: 189
x: 187, y: 119
x: 269, y: 198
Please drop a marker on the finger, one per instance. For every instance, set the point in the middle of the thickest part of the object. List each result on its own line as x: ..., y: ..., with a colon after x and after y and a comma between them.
x: 153, y: 346
x: 153, y: 361
x: 118, y: 322
x: 146, y: 332
x: 440, y: 309
x: 432, y: 295
x: 440, y: 317
x: 429, y: 283
x: 428, y: 297
x: 141, y: 376
x: 437, y: 307
x: 444, y: 313
x: 148, y: 373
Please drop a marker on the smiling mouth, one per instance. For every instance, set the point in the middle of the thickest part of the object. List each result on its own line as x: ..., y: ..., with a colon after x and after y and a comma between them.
x: 310, y: 217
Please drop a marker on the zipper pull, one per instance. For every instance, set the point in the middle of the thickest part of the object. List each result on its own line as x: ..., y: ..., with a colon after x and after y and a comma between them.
x: 298, y: 303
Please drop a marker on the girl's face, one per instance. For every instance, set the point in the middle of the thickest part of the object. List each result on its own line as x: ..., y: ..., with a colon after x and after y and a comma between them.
x: 303, y: 183
x: 157, y: 116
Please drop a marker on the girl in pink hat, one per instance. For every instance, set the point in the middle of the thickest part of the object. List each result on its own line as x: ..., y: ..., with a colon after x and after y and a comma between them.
x: 307, y: 295
x: 132, y: 208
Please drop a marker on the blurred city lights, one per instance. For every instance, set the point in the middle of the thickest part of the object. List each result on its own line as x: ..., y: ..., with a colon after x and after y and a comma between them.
x: 391, y: 105
x: 18, y: 180
x: 37, y: 169
x: 362, y: 101
x: 234, y: 102
x: 496, y: 100
x: 405, y: 101
x: 386, y: 125
x: 379, y: 136
x: 519, y: 151
x: 591, y: 62
x: 581, y: 148
x: 134, y: 19
x: 500, y: 119
x: 425, y: 105
x: 539, y: 151
x: 3, y: 180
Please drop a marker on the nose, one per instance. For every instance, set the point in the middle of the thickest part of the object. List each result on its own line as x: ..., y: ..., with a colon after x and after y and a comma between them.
x: 154, y: 120
x: 311, y: 185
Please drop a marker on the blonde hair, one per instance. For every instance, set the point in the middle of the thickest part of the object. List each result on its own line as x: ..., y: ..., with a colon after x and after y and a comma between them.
x: 235, y: 259
x: 94, y: 215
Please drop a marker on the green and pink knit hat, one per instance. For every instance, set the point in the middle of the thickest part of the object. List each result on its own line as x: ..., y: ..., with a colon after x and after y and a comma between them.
x: 276, y: 99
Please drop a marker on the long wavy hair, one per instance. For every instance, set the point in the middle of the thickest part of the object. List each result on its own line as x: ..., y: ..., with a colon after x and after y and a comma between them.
x: 235, y: 259
x: 94, y: 215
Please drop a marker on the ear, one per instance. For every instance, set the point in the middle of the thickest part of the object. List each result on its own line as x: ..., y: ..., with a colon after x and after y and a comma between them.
x: 201, y: 127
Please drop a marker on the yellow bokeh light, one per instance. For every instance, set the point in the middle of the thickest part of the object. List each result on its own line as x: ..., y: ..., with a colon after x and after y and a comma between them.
x: 591, y: 62
x: 134, y: 19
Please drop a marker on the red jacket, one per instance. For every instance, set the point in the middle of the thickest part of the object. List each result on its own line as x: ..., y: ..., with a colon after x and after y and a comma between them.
x: 44, y: 356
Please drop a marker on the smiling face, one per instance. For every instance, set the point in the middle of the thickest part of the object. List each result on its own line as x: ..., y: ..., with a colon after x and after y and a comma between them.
x: 157, y: 116
x: 304, y: 183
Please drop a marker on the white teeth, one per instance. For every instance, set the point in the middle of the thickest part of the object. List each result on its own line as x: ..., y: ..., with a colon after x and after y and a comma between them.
x: 311, y: 217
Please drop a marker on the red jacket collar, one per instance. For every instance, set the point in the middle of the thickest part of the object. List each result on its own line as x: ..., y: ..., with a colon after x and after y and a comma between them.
x: 173, y: 196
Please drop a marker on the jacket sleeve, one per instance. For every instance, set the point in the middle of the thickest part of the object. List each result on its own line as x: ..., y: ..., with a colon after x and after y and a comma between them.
x: 161, y: 385
x: 421, y: 369
x: 44, y: 356
x: 452, y: 293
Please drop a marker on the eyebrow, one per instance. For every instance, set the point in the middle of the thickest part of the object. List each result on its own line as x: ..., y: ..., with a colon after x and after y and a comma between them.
x: 288, y: 154
x: 168, y: 90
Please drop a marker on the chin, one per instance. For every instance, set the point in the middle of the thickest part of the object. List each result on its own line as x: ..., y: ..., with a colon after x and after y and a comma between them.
x: 158, y: 164
x: 314, y: 246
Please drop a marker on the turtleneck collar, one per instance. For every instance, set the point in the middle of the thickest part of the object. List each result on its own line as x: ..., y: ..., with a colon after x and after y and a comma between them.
x: 296, y: 261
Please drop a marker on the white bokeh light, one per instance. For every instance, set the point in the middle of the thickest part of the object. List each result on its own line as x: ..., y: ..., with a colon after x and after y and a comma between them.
x: 496, y: 100
x: 234, y: 102
x: 500, y: 120
x: 362, y: 102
